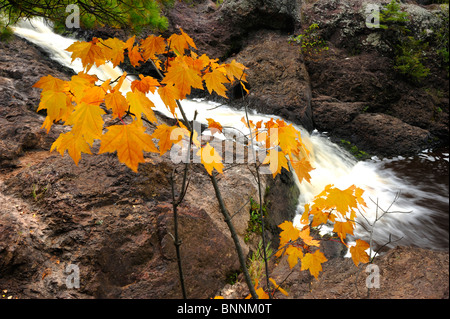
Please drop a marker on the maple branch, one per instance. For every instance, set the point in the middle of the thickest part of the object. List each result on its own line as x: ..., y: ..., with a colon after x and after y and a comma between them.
x: 261, y: 213
x: 175, y: 203
x: 234, y: 235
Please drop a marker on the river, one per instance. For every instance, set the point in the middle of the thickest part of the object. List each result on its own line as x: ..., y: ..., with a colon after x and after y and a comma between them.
x: 414, y: 189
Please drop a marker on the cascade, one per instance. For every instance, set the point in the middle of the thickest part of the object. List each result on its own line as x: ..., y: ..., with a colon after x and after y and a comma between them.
x: 422, y: 206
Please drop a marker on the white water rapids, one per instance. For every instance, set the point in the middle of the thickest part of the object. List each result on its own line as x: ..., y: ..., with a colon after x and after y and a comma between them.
x: 426, y: 223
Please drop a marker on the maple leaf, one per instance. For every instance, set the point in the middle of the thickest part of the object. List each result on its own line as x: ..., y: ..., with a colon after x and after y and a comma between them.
x: 130, y: 141
x: 50, y: 83
x: 135, y: 56
x: 313, y: 262
x: 169, y: 95
x: 214, y: 82
x: 94, y: 95
x: 140, y: 103
x: 183, y: 77
x: 152, y: 46
x: 277, y: 160
x: 358, y: 252
x: 87, y: 121
x: 145, y: 84
x: 210, y: 159
x: 302, y: 169
x: 163, y: 133
x: 289, y: 233
x: 294, y: 253
x: 343, y: 228
x: 307, y: 239
x: 113, y: 50
x: 284, y: 292
x: 75, y: 145
x: 89, y: 53
x: 180, y: 42
x: 80, y: 83
x: 235, y: 70
x: 342, y: 200
x: 117, y: 103
x: 57, y: 105
x: 214, y: 126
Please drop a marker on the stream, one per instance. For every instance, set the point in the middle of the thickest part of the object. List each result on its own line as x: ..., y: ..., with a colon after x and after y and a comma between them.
x: 415, y: 190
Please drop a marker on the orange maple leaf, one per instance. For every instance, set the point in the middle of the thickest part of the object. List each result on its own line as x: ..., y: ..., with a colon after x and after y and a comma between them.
x: 302, y: 169
x: 215, y: 82
x: 130, y: 141
x: 183, y: 77
x: 153, y: 45
x: 145, y: 84
x: 88, y: 52
x: 163, y: 134
x: 214, y: 126
x: 358, y: 252
x: 169, y: 95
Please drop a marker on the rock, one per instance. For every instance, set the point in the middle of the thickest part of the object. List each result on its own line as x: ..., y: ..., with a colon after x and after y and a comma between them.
x: 277, y: 77
x: 386, y: 135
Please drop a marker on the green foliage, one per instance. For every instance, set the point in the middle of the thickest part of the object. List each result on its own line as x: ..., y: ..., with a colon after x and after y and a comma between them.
x: 254, y: 224
x: 353, y: 149
x: 256, y: 262
x: 112, y: 13
x: 408, y: 60
x: 392, y: 18
x: 310, y: 41
x: 408, y: 51
x: 441, y: 37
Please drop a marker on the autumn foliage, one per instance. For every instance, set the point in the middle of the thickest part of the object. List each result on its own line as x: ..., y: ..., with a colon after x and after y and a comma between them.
x: 82, y: 103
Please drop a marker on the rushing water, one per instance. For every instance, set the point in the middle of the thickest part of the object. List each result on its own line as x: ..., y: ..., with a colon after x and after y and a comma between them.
x: 419, y: 215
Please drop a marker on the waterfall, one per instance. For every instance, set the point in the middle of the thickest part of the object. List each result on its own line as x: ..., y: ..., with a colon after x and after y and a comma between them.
x: 423, y: 209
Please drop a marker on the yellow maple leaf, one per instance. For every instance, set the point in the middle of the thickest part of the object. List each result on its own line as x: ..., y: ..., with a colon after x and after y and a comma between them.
x: 130, y: 141
x: 210, y: 159
x: 74, y: 145
x: 302, y: 169
x: 140, y: 103
x: 50, y: 83
x: 214, y: 82
x: 163, y: 133
x: 343, y: 200
x: 276, y: 160
x: 313, y: 262
x: 289, y: 233
x: 343, y: 228
x: 358, y: 252
x: 294, y: 253
x: 117, y: 103
x: 89, y: 53
x: 169, y: 95
x: 57, y: 105
x: 235, y: 70
x: 86, y: 120
x: 113, y: 50
x: 307, y: 238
